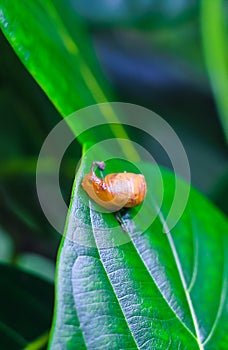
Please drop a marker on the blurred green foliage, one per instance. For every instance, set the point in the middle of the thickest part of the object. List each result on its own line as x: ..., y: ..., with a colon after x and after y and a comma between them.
x: 26, y: 308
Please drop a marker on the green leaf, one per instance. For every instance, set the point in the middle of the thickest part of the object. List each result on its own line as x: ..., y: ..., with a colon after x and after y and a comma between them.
x: 37, y: 265
x: 214, y: 38
x: 6, y: 246
x: 44, y: 44
x: 156, y: 290
x: 59, y: 63
x: 26, y: 307
x: 59, y: 54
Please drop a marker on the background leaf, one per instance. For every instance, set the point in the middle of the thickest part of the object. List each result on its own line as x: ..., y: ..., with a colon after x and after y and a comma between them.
x: 155, y: 291
x: 37, y: 265
x: 214, y: 35
x: 142, y: 13
x: 6, y: 246
x: 26, y: 314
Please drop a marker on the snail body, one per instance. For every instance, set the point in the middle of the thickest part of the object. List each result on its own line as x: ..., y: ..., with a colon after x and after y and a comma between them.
x: 116, y: 190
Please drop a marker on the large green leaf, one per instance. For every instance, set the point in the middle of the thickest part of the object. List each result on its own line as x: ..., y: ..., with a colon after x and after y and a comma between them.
x: 26, y: 309
x: 42, y: 41
x: 58, y: 52
x: 156, y: 291
x: 214, y: 37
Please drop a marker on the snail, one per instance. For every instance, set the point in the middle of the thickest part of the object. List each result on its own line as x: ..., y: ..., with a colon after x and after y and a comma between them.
x: 115, y: 191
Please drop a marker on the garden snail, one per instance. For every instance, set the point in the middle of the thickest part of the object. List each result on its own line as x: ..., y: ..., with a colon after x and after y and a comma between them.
x: 116, y: 190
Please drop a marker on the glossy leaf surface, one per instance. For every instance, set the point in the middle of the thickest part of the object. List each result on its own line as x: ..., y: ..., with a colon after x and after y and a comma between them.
x: 154, y: 291
x: 58, y: 53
